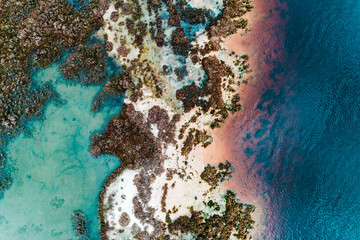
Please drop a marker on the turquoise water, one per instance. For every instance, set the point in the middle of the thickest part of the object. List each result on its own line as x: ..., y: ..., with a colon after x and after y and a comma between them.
x: 52, y: 170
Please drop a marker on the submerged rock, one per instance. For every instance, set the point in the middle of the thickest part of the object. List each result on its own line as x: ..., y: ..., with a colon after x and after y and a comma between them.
x: 80, y: 225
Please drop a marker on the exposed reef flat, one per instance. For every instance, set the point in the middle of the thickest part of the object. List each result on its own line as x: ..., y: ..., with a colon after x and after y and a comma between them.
x: 179, y: 84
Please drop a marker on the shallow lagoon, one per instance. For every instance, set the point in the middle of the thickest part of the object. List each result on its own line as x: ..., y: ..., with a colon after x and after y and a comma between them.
x: 52, y: 170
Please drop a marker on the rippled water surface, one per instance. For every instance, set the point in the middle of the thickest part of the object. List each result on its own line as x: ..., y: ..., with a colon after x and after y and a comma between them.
x: 311, y: 155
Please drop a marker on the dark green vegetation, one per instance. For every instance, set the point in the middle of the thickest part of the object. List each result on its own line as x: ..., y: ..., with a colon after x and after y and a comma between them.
x: 235, y: 218
x: 32, y: 35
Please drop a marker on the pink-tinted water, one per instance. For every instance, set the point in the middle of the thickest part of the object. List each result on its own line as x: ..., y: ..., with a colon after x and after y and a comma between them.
x: 235, y: 140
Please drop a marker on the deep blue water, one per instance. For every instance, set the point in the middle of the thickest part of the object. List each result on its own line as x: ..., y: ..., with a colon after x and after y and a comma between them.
x: 313, y: 166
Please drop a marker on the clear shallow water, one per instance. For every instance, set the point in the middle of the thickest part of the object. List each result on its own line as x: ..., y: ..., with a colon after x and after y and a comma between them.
x: 311, y: 155
x: 52, y: 170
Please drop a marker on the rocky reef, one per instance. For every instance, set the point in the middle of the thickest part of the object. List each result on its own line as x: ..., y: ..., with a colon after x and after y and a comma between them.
x: 234, y: 220
x: 32, y: 35
x: 179, y: 83
x: 85, y: 64
x: 80, y: 225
